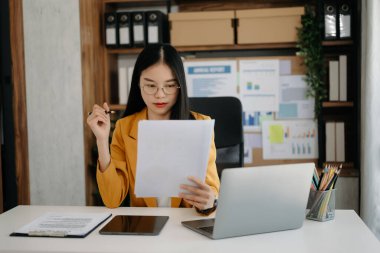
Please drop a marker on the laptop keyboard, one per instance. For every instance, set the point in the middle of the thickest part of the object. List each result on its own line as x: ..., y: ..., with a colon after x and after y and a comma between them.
x: 209, y: 229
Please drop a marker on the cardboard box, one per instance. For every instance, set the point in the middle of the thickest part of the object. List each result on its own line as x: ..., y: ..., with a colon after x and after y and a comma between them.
x: 202, y: 28
x: 273, y: 25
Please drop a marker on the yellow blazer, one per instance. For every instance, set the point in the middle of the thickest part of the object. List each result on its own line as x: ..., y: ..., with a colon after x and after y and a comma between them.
x: 119, y: 178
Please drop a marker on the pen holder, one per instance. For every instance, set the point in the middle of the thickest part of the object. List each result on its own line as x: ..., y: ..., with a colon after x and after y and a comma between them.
x: 321, y: 205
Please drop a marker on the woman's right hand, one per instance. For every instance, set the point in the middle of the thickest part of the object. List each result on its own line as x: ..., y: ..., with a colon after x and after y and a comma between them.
x: 99, y: 122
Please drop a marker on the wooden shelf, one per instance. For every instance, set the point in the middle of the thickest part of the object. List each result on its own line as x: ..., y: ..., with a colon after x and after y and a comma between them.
x: 183, y: 49
x: 337, y: 42
x: 117, y: 107
x: 331, y: 104
x: 137, y: 3
x: 134, y: 2
x: 221, y: 5
x: 124, y: 50
x: 289, y: 45
x: 349, y: 173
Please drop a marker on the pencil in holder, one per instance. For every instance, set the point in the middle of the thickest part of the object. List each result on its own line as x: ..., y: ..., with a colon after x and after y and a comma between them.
x: 321, y: 205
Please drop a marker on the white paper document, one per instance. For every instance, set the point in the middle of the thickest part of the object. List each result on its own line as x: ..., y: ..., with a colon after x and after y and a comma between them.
x: 168, y: 151
x: 211, y: 78
x: 285, y: 67
x: 259, y: 85
x: 63, y: 224
x: 294, y: 103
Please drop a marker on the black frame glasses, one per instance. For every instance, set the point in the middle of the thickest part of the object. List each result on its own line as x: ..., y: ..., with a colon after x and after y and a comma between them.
x: 168, y: 89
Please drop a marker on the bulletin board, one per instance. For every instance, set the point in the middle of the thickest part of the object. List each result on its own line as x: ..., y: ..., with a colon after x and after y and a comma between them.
x: 296, y: 68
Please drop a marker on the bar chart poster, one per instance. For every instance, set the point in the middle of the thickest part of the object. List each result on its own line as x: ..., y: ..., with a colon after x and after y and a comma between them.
x: 296, y: 139
x: 259, y: 85
x: 252, y: 120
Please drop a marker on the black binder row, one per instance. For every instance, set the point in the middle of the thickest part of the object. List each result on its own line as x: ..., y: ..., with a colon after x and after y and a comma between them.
x: 135, y: 29
x: 338, y: 19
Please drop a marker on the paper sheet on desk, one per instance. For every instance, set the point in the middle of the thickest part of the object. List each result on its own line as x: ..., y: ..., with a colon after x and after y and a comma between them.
x: 63, y: 224
x: 169, y: 151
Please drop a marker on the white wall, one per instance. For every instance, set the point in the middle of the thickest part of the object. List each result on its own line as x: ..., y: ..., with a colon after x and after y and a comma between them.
x: 54, y: 101
x: 370, y: 111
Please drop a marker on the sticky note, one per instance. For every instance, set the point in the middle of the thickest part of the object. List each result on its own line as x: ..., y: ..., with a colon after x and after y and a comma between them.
x: 276, y: 134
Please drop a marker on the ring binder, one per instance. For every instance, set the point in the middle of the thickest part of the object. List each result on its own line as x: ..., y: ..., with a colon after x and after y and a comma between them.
x: 138, y: 23
x: 156, y: 27
x: 124, y: 29
x: 345, y: 14
x: 330, y: 18
x: 111, y: 26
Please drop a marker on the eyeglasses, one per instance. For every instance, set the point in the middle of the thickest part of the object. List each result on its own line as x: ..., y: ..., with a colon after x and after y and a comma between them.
x: 168, y: 89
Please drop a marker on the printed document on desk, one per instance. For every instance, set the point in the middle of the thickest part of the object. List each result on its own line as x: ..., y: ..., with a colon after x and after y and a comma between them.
x: 168, y: 151
x: 63, y: 225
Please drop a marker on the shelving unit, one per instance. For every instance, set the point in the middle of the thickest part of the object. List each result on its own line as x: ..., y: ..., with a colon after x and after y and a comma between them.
x: 100, y: 78
x: 346, y: 111
x: 337, y: 42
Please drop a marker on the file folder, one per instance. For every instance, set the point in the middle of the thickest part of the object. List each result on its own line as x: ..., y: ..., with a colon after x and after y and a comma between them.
x: 333, y: 80
x: 156, y: 27
x: 111, y: 30
x: 345, y: 17
x: 124, y: 29
x: 330, y: 142
x: 138, y: 23
x: 340, y: 142
x: 330, y: 19
x: 343, y: 77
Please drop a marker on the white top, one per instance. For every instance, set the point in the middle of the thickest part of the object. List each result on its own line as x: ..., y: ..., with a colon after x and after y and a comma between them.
x: 346, y: 234
x: 164, y: 202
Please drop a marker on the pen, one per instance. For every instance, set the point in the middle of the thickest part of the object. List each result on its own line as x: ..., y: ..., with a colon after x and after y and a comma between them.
x: 107, y: 112
x: 320, y: 180
x: 336, y: 178
x: 331, y: 184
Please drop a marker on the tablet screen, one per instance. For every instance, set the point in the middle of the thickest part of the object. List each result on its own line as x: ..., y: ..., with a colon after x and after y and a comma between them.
x: 134, y: 225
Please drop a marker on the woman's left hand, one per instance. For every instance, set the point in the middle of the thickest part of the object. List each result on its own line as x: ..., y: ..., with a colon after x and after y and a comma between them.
x: 200, y: 196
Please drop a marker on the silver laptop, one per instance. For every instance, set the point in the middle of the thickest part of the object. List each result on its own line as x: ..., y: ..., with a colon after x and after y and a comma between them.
x: 256, y: 200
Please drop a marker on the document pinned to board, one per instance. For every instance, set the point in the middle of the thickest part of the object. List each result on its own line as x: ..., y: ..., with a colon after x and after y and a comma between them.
x: 63, y: 225
x: 168, y: 151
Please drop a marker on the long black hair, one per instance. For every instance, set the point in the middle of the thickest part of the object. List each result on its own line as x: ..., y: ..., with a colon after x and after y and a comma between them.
x: 151, y: 55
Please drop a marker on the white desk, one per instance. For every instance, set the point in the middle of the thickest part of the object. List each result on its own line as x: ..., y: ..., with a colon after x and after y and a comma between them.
x: 347, y: 233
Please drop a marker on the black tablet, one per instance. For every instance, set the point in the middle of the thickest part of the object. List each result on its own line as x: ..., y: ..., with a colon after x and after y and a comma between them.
x: 134, y: 225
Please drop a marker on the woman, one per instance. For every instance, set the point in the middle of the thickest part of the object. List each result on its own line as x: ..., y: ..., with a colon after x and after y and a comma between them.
x: 158, y: 92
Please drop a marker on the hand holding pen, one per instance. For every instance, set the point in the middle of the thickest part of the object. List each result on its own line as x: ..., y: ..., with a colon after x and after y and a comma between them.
x: 99, y: 121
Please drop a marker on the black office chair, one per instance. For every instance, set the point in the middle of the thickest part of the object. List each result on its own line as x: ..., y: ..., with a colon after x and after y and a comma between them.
x: 229, y: 139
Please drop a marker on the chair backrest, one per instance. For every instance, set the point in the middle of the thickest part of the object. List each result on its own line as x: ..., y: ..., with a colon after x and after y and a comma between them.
x: 229, y: 139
